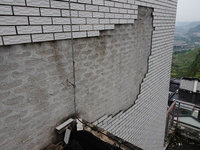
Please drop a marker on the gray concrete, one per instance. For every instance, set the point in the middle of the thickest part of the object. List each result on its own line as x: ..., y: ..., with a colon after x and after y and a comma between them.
x: 36, y: 94
x: 111, y: 68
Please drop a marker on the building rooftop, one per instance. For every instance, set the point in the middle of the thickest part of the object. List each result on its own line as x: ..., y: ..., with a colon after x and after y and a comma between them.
x: 186, y: 96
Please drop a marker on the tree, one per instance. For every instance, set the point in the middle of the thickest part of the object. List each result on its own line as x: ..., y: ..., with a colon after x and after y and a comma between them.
x: 195, y: 67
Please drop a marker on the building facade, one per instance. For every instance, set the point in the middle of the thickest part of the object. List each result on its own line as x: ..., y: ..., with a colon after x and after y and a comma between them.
x: 105, y: 61
x: 190, y: 84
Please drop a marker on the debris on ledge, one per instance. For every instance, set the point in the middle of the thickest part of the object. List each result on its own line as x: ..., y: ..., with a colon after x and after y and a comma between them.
x: 82, y: 135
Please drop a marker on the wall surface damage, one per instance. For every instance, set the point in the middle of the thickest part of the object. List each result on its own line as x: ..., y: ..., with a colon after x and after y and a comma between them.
x: 106, y: 61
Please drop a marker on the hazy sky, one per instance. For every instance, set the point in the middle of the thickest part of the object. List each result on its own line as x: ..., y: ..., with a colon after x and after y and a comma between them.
x: 188, y: 10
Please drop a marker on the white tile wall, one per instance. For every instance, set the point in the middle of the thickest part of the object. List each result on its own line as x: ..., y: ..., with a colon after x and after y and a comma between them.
x: 42, y: 37
x: 26, y: 11
x: 5, y: 10
x: 50, y: 12
x: 7, y: 30
x: 13, y: 2
x: 29, y: 29
x: 40, y: 20
x: 13, y: 20
x: 38, y: 3
x: 17, y: 39
x: 98, y: 13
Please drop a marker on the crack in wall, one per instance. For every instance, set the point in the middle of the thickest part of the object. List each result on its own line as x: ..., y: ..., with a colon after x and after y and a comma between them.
x: 121, y: 54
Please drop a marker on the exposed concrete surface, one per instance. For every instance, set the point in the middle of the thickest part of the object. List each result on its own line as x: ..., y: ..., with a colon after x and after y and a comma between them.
x: 35, y: 96
x: 111, y: 68
x: 35, y: 89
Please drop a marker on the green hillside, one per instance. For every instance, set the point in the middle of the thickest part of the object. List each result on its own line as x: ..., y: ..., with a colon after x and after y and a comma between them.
x: 194, y: 30
x: 186, y: 64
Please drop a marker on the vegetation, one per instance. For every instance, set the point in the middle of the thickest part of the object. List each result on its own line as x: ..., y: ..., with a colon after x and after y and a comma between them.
x: 194, y: 70
x: 186, y: 59
x: 186, y: 64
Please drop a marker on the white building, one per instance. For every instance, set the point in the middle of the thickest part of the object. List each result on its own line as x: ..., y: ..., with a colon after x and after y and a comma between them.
x: 108, y: 59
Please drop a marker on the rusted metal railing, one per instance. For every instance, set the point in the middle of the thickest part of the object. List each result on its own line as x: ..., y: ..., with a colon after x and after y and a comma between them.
x: 170, y: 117
x: 174, y: 112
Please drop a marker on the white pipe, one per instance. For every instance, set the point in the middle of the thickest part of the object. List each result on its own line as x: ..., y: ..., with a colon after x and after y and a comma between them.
x: 195, y: 86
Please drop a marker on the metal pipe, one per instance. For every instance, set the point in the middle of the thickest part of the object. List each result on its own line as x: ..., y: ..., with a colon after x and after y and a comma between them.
x: 178, y: 112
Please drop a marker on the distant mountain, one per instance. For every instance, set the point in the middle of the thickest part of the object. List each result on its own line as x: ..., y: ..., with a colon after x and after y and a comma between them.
x: 193, y: 24
x: 183, y: 27
x: 182, y: 23
x: 194, y: 30
x: 180, y: 29
x: 188, y: 32
x: 188, y: 24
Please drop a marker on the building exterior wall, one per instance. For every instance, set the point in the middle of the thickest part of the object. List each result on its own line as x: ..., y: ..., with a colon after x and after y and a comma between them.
x: 187, y: 84
x: 111, y: 68
x: 122, y: 69
x: 190, y: 84
x: 35, y: 96
x: 27, y: 21
x: 144, y: 122
x: 198, y: 86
